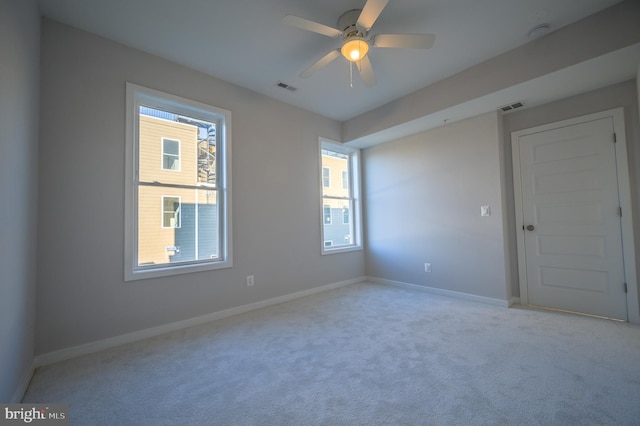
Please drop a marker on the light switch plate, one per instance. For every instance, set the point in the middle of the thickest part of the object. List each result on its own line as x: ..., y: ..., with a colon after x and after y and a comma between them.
x: 485, y: 211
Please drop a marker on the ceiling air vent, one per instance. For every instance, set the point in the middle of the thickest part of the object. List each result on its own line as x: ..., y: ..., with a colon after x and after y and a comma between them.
x: 286, y: 86
x: 511, y: 107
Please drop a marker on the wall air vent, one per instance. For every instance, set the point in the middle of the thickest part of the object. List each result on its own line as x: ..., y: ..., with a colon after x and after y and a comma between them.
x: 511, y: 107
x: 286, y: 86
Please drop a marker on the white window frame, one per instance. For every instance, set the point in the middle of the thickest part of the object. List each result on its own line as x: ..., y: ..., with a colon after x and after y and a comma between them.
x: 164, y: 153
x: 179, y: 225
x: 355, y: 196
x: 135, y: 97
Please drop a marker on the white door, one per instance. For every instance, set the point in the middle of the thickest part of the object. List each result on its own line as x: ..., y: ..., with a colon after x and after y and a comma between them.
x: 572, y: 219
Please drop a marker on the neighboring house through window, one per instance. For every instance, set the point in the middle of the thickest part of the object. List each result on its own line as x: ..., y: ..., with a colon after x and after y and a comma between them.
x: 340, y: 186
x: 178, y: 212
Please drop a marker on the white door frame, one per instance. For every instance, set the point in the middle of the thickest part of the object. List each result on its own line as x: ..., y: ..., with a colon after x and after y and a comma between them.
x: 624, y: 189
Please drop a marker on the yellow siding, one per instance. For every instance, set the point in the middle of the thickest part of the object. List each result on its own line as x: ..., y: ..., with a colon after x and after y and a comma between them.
x: 153, y: 239
x: 152, y: 130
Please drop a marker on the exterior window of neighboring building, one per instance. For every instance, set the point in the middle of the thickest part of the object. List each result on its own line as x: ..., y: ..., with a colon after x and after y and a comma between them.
x: 170, y: 154
x: 178, y: 212
x: 341, y: 199
x: 326, y: 211
x: 326, y: 177
x: 170, y: 212
x: 328, y: 243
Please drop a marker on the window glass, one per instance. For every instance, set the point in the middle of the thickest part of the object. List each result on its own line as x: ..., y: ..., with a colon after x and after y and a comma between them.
x: 326, y: 177
x: 170, y: 212
x: 327, y: 214
x: 170, y: 154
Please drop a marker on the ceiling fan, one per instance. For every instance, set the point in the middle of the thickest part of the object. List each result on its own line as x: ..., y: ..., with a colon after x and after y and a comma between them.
x: 353, y: 27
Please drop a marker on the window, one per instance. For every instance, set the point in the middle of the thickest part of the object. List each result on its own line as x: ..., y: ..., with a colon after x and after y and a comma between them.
x: 340, y: 199
x: 170, y: 212
x: 328, y: 243
x: 170, y: 154
x: 326, y: 177
x: 178, y: 212
x: 326, y: 211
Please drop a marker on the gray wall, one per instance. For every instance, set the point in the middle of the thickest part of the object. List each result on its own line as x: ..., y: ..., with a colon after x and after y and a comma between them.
x: 619, y: 95
x: 423, y: 195
x: 276, y: 215
x: 19, y: 58
x: 433, y: 185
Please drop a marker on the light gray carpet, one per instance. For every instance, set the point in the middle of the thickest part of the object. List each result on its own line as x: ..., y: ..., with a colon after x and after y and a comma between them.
x: 365, y: 354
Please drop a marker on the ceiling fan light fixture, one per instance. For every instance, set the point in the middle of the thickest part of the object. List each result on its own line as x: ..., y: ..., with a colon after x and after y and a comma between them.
x: 354, y: 49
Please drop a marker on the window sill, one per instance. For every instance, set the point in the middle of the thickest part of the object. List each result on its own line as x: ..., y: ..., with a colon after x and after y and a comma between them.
x: 340, y: 250
x: 142, y: 274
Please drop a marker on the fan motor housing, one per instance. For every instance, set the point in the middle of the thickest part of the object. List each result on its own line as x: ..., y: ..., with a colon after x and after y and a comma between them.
x: 347, y: 23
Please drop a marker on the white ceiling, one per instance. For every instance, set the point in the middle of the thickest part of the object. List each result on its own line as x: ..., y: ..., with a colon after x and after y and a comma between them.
x: 245, y: 42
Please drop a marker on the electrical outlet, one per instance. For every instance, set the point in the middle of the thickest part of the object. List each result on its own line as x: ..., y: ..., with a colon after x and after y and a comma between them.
x: 427, y: 267
x: 249, y: 280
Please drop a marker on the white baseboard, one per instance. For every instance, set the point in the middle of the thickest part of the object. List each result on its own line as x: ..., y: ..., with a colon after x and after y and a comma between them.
x: 24, y: 384
x: 68, y: 353
x: 514, y: 301
x: 441, y: 292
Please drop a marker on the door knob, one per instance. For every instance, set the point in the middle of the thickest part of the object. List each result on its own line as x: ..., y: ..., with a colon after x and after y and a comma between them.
x: 530, y: 227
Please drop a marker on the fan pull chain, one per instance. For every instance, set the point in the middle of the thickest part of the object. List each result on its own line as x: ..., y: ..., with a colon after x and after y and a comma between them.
x: 351, y: 74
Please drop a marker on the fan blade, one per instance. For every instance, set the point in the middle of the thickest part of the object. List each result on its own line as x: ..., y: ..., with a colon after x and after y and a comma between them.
x: 366, y: 72
x: 325, y: 60
x: 370, y: 12
x: 305, y: 24
x: 410, y: 41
